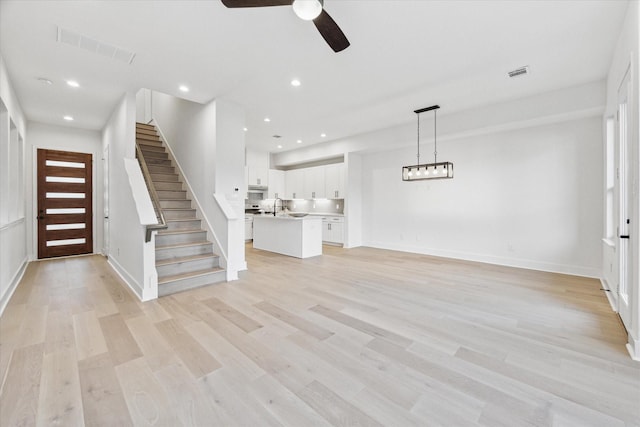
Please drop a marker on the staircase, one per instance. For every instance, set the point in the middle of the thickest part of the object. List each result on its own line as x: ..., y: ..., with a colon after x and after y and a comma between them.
x: 184, y: 256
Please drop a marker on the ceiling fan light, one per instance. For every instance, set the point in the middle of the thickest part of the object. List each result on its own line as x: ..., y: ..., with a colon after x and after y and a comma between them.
x: 307, y: 9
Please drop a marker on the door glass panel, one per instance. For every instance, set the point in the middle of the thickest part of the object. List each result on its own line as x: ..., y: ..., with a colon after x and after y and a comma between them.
x: 66, y: 242
x: 65, y: 195
x: 65, y: 226
x: 65, y: 164
x: 64, y: 179
x: 65, y: 211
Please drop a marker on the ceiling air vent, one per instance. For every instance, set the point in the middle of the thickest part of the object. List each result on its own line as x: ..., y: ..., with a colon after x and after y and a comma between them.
x: 277, y: 136
x: 519, y: 71
x: 92, y: 45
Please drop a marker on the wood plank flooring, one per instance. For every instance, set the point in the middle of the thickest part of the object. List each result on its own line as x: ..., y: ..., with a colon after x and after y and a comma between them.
x: 358, y: 337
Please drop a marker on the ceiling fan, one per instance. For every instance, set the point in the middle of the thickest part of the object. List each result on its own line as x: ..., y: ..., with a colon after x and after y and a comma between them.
x: 309, y: 10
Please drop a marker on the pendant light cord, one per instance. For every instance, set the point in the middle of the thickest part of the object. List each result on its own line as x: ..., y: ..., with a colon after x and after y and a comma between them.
x: 418, y: 139
x: 435, y: 134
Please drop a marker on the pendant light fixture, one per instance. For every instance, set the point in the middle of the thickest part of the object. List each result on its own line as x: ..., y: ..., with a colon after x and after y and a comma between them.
x: 435, y: 170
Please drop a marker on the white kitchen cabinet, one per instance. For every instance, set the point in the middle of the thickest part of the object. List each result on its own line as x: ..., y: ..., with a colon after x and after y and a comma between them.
x: 294, y: 184
x: 314, y: 185
x: 248, y: 228
x: 335, y: 181
x: 258, y: 176
x: 276, y: 184
x: 333, y: 230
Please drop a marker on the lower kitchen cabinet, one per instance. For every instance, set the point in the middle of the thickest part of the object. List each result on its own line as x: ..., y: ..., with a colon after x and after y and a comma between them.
x: 248, y: 228
x: 333, y: 230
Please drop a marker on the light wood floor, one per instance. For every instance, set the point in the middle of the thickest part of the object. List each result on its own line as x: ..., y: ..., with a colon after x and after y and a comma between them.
x: 356, y: 337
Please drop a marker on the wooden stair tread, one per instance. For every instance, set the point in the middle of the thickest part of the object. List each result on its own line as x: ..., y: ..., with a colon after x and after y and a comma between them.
x: 185, y: 259
x: 173, y: 278
x: 165, y: 232
x: 183, y: 245
x: 166, y: 180
x: 183, y: 219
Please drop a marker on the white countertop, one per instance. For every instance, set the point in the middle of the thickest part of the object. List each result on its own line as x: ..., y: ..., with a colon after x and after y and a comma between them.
x: 287, y: 217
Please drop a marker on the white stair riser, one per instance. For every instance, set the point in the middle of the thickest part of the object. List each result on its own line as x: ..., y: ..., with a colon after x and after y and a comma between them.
x: 186, y: 267
x: 169, y: 186
x: 172, y: 194
x: 174, y: 239
x: 179, y: 214
x: 183, y: 251
x: 183, y: 225
x: 191, y: 283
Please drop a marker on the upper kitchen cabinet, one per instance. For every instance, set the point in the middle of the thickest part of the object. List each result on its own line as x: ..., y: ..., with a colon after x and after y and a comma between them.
x: 294, y: 184
x: 258, y: 176
x: 334, y: 181
x: 276, y: 184
x: 314, y: 183
x: 258, y: 168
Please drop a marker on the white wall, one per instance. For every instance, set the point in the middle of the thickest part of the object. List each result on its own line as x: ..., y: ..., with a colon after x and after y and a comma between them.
x: 13, y: 235
x: 528, y: 198
x: 126, y: 234
x: 65, y: 139
x: 627, y: 52
x: 208, y: 144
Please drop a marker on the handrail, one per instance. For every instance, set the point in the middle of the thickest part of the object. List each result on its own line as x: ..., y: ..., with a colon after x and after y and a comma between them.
x: 162, y: 225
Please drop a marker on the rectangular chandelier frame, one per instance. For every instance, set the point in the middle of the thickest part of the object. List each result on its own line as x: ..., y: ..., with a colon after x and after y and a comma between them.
x: 440, y: 170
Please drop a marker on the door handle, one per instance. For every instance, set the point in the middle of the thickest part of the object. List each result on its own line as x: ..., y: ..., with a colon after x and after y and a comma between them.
x: 624, y: 236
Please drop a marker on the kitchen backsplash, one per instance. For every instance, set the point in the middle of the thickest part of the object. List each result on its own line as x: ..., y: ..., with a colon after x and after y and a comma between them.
x: 311, y: 206
x: 319, y: 206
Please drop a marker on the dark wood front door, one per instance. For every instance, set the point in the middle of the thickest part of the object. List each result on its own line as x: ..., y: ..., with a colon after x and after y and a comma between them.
x: 65, y: 217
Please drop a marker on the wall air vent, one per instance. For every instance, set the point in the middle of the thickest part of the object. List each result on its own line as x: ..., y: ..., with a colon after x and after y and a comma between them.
x: 91, y: 45
x: 277, y: 136
x: 519, y: 72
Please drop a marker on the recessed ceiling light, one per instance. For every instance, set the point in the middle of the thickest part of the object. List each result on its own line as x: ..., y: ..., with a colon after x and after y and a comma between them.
x: 68, y: 118
x: 322, y: 135
x: 183, y: 88
x: 267, y: 119
x: 279, y: 146
x: 245, y: 129
x: 295, y: 82
x: 45, y: 81
x: 73, y: 83
x: 299, y: 141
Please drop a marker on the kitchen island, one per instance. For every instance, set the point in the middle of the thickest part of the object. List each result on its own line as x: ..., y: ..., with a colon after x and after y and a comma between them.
x: 286, y: 235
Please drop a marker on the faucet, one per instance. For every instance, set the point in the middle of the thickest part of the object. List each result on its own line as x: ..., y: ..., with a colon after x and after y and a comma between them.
x: 275, y: 203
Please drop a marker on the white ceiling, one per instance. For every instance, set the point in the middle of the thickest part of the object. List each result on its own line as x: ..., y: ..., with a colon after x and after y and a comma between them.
x: 404, y: 55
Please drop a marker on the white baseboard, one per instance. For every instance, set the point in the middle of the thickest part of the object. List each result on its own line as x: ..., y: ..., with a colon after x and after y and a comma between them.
x: 13, y: 285
x: 595, y: 273
x: 610, y: 296
x: 633, y: 347
x: 126, y: 277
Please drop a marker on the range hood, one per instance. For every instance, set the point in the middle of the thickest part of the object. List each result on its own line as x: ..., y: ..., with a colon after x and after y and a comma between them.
x: 257, y: 188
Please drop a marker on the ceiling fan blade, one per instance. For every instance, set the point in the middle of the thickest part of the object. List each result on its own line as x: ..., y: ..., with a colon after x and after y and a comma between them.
x: 330, y: 32
x: 256, y: 3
